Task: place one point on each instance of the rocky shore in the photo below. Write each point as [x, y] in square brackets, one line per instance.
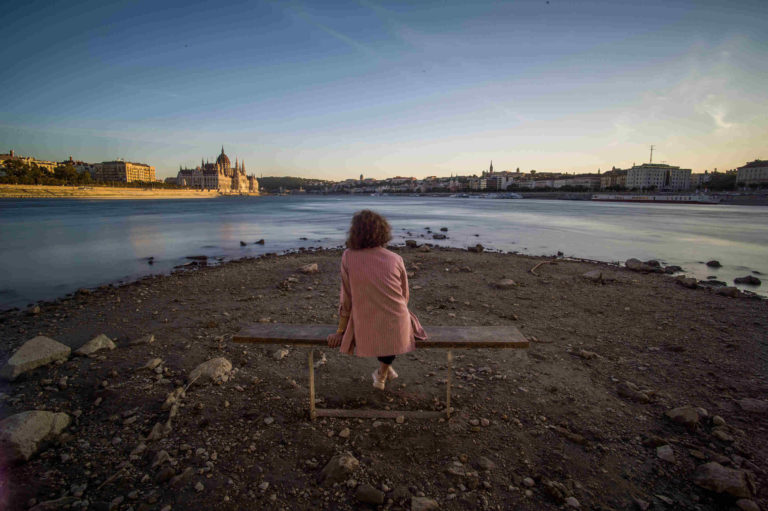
[639, 391]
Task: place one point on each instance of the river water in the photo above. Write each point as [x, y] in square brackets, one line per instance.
[49, 248]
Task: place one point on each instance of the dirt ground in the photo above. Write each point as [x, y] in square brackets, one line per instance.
[530, 429]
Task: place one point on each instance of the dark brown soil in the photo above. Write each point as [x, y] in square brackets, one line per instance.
[552, 414]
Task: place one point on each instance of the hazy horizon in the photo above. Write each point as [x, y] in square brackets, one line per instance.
[341, 89]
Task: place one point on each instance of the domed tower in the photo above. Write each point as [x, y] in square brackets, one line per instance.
[222, 162]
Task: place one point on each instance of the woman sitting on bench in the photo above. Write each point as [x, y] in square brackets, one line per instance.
[374, 320]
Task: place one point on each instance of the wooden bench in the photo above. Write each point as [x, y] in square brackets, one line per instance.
[445, 337]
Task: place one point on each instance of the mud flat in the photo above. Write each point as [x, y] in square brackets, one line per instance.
[98, 192]
[636, 393]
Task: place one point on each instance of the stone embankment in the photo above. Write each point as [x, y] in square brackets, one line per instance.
[638, 392]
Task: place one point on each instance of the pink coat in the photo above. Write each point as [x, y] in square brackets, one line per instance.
[374, 296]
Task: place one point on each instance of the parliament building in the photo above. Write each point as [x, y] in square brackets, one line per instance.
[221, 176]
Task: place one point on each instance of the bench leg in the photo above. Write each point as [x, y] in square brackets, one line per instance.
[449, 357]
[312, 411]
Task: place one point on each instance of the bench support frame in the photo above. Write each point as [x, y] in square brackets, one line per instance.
[315, 412]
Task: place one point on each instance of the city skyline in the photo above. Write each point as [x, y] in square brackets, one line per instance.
[388, 89]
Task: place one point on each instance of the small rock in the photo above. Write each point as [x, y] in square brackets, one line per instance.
[485, 463]
[214, 370]
[719, 479]
[688, 282]
[260, 242]
[280, 354]
[344, 433]
[637, 265]
[505, 284]
[339, 468]
[718, 421]
[665, 453]
[476, 249]
[145, 339]
[729, 291]
[527, 481]
[424, 504]
[748, 280]
[199, 487]
[749, 404]
[100, 342]
[309, 268]
[714, 264]
[747, 505]
[411, 243]
[242, 243]
[400, 419]
[367, 494]
[572, 502]
[152, 364]
[439, 236]
[424, 248]
[34, 353]
[688, 416]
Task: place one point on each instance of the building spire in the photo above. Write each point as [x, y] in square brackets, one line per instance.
[491, 169]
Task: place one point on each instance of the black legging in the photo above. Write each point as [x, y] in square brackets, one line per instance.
[387, 360]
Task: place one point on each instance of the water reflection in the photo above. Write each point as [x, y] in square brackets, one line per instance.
[56, 246]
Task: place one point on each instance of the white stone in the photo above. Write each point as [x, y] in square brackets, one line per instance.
[22, 435]
[309, 268]
[36, 352]
[423, 504]
[100, 342]
[214, 370]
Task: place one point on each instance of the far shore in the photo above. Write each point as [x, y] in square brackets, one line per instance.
[100, 192]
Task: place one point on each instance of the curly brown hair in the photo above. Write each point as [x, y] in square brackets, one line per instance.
[368, 230]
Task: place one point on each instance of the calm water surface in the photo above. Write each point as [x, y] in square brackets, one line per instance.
[52, 247]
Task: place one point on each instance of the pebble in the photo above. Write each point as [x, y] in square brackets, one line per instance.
[572, 502]
[400, 419]
[344, 433]
[199, 486]
[529, 482]
[269, 420]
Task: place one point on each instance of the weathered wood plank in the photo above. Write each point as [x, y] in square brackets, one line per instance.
[377, 414]
[494, 337]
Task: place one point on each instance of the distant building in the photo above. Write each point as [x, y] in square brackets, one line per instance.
[221, 176]
[700, 180]
[82, 166]
[587, 181]
[171, 181]
[614, 178]
[753, 173]
[124, 172]
[28, 160]
[658, 176]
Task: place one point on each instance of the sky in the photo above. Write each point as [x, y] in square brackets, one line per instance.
[333, 90]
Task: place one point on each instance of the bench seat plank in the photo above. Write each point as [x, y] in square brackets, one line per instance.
[494, 337]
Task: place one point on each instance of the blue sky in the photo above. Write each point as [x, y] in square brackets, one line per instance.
[336, 89]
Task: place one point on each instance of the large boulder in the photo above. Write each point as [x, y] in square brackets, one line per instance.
[339, 468]
[730, 291]
[215, 370]
[637, 265]
[749, 280]
[23, 434]
[100, 342]
[34, 353]
[719, 479]
[688, 282]
[714, 263]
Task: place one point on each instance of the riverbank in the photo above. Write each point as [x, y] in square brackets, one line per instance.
[582, 415]
[99, 192]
